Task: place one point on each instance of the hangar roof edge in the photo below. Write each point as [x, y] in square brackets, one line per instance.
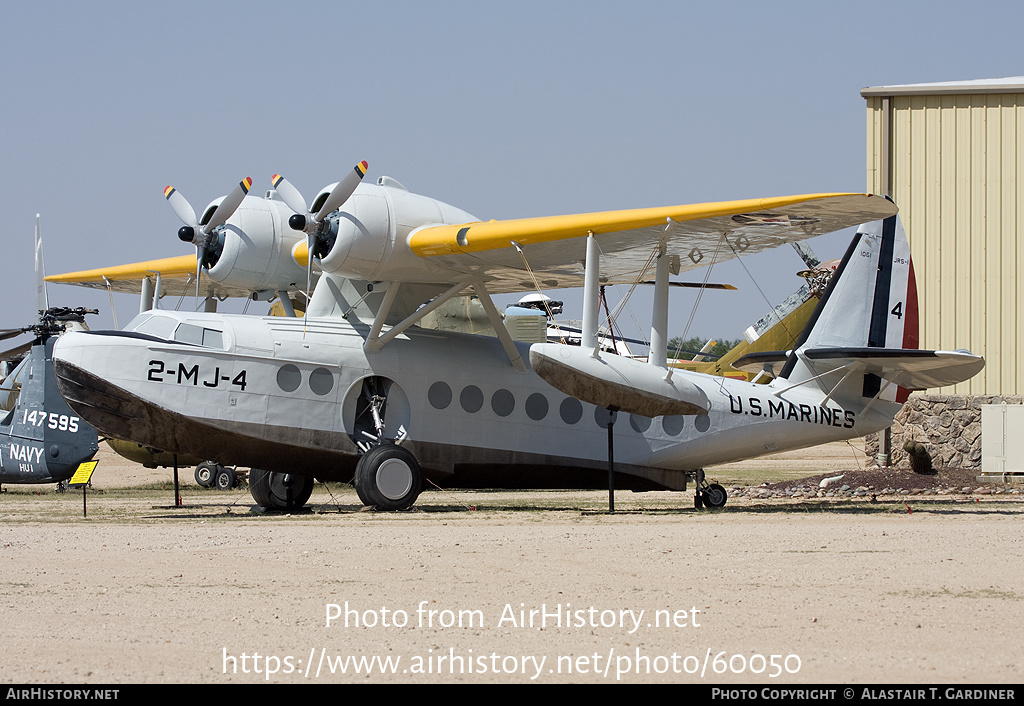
[1011, 84]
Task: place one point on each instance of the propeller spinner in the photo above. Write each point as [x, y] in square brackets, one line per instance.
[199, 233]
[314, 224]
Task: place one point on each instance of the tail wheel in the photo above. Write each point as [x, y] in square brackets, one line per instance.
[714, 495]
[279, 491]
[388, 478]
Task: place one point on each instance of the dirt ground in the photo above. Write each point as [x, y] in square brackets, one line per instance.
[486, 587]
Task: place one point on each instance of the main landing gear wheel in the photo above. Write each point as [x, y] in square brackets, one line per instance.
[388, 478]
[225, 478]
[279, 491]
[205, 473]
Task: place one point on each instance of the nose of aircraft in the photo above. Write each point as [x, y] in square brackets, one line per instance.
[85, 365]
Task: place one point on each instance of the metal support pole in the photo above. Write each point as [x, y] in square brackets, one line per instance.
[613, 412]
[659, 316]
[177, 494]
[591, 294]
[286, 303]
[146, 298]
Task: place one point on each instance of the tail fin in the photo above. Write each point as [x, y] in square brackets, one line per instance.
[866, 324]
[872, 299]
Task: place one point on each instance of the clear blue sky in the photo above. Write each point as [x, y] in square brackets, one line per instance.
[503, 109]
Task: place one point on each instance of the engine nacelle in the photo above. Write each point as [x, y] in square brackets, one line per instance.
[360, 236]
[367, 238]
[253, 249]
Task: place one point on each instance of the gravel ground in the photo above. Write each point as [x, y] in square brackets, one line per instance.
[822, 590]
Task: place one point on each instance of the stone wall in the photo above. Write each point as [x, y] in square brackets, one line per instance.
[949, 426]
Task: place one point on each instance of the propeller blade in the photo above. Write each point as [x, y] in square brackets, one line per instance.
[289, 194]
[15, 352]
[806, 254]
[309, 263]
[182, 208]
[200, 256]
[696, 285]
[229, 205]
[342, 191]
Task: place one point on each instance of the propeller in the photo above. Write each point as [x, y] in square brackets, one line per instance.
[199, 233]
[315, 225]
[16, 352]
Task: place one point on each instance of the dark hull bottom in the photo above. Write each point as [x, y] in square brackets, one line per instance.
[330, 456]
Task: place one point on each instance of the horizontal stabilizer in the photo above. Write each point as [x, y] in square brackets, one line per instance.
[755, 362]
[912, 369]
[613, 381]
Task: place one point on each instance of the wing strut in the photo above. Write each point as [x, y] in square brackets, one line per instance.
[658, 354]
[146, 296]
[591, 295]
[499, 327]
[374, 341]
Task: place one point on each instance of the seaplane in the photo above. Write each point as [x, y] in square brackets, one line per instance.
[357, 390]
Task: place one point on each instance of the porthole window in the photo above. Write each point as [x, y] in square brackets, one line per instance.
[702, 422]
[471, 399]
[439, 395]
[571, 410]
[602, 416]
[639, 422]
[536, 406]
[672, 424]
[321, 381]
[503, 402]
[289, 377]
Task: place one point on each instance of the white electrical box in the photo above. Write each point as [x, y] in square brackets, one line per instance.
[1002, 441]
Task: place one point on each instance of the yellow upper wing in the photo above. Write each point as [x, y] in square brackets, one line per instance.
[555, 247]
[177, 278]
[503, 253]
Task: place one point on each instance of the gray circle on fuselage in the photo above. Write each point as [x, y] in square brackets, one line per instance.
[639, 422]
[536, 406]
[702, 422]
[439, 395]
[321, 381]
[672, 424]
[289, 377]
[602, 415]
[503, 402]
[471, 398]
[571, 410]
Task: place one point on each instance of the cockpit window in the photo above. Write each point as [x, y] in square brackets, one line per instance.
[171, 330]
[200, 336]
[159, 326]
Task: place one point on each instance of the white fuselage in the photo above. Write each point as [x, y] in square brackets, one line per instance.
[283, 394]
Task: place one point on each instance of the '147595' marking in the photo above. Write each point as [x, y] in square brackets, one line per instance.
[160, 372]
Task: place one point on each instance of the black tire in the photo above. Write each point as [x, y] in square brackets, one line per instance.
[225, 478]
[714, 496]
[206, 472]
[279, 491]
[388, 478]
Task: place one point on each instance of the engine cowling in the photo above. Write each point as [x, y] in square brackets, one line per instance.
[367, 238]
[359, 238]
[252, 250]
